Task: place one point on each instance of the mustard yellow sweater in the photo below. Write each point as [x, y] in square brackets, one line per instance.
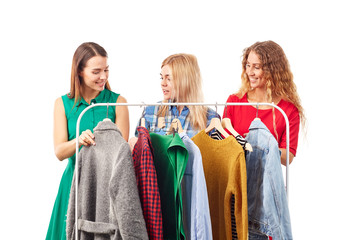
[225, 174]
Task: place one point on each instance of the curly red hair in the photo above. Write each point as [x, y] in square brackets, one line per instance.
[276, 67]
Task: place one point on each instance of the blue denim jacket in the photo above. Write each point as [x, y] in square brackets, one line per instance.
[267, 202]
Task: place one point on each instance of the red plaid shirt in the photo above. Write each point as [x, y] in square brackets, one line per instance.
[147, 184]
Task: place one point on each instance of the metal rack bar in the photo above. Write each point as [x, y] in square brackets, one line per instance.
[174, 104]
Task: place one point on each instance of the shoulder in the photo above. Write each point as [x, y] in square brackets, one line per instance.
[121, 99]
[236, 98]
[59, 107]
[64, 101]
[211, 114]
[290, 109]
[109, 95]
[151, 110]
[59, 104]
[59, 100]
[65, 98]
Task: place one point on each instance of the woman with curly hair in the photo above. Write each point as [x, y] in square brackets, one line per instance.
[266, 77]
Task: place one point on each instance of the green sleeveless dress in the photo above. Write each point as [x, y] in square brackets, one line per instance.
[89, 120]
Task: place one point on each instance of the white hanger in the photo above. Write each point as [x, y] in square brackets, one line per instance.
[176, 126]
[226, 123]
[142, 122]
[107, 119]
[257, 111]
[161, 122]
[215, 123]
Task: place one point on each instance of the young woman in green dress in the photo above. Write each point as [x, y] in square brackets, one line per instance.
[89, 84]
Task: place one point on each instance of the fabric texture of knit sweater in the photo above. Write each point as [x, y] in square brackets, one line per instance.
[225, 174]
[108, 199]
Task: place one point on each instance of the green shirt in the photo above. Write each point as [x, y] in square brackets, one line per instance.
[89, 120]
[92, 116]
[170, 159]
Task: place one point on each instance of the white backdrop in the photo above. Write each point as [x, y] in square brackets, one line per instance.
[320, 38]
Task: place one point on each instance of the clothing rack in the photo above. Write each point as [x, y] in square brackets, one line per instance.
[175, 104]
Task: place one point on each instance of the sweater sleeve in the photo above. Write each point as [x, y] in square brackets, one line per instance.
[125, 197]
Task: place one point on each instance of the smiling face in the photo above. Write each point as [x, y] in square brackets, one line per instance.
[254, 71]
[95, 73]
[166, 82]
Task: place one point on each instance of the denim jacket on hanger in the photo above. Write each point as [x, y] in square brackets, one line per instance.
[267, 202]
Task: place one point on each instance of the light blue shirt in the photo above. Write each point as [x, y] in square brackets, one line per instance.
[196, 211]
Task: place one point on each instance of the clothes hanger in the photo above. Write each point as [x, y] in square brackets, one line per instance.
[161, 122]
[142, 121]
[107, 119]
[257, 111]
[216, 123]
[226, 123]
[175, 126]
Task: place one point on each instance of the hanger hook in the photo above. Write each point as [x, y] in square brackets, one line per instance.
[177, 110]
[216, 105]
[225, 110]
[107, 110]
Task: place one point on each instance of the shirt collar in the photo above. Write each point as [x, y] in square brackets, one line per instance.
[106, 125]
[142, 130]
[98, 99]
[258, 124]
[174, 110]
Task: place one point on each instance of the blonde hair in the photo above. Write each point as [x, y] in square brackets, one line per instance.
[187, 87]
[279, 78]
[81, 56]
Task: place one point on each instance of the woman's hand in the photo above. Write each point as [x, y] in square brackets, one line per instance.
[132, 142]
[86, 138]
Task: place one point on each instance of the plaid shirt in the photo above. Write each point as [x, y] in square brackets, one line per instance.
[151, 120]
[146, 179]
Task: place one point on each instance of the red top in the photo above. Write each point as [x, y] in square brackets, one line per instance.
[242, 116]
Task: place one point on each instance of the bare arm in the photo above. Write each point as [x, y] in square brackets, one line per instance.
[283, 156]
[64, 148]
[122, 118]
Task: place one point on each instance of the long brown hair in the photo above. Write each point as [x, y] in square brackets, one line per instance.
[187, 86]
[82, 54]
[279, 78]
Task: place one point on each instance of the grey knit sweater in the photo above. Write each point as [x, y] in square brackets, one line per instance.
[108, 199]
